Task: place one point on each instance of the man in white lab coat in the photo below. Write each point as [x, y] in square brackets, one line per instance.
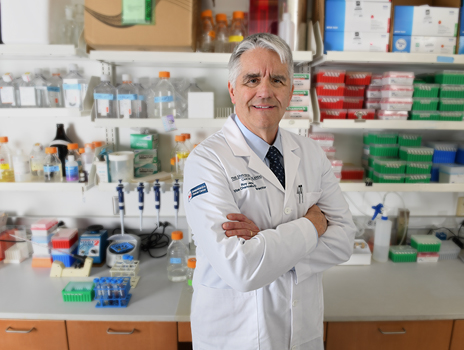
[251, 191]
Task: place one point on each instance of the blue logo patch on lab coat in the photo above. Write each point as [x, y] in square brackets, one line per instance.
[197, 190]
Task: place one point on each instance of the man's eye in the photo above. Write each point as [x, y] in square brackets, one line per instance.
[277, 81]
[253, 81]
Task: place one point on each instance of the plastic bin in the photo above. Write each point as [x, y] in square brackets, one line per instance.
[426, 90]
[372, 103]
[451, 91]
[396, 104]
[330, 89]
[383, 150]
[424, 115]
[361, 114]
[373, 91]
[376, 79]
[417, 178]
[451, 104]
[353, 102]
[451, 116]
[425, 243]
[336, 165]
[330, 102]
[324, 75]
[324, 139]
[460, 154]
[385, 166]
[392, 115]
[449, 77]
[354, 90]
[352, 173]
[358, 78]
[388, 178]
[398, 78]
[380, 137]
[410, 140]
[333, 114]
[425, 104]
[64, 238]
[418, 167]
[397, 91]
[451, 173]
[416, 154]
[402, 253]
[443, 152]
[448, 251]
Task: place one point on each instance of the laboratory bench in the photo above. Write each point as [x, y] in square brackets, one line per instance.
[381, 306]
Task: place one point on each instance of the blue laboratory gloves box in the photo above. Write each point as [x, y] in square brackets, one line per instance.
[356, 41]
[357, 16]
[424, 44]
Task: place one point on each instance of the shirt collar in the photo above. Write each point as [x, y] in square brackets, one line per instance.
[257, 144]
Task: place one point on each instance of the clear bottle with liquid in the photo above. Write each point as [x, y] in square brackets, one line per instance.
[6, 161]
[105, 97]
[72, 169]
[74, 88]
[73, 150]
[52, 166]
[22, 167]
[162, 98]
[55, 89]
[27, 92]
[177, 258]
[87, 158]
[142, 98]
[69, 26]
[128, 104]
[7, 91]
[191, 264]
[178, 157]
[187, 142]
[37, 161]
[41, 85]
[221, 43]
[237, 30]
[208, 34]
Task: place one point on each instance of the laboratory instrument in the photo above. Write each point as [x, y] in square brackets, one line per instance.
[156, 190]
[382, 234]
[52, 166]
[191, 264]
[177, 258]
[21, 167]
[126, 266]
[128, 104]
[6, 161]
[61, 142]
[93, 243]
[141, 189]
[176, 190]
[112, 292]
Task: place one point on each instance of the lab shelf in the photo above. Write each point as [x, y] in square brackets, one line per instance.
[391, 124]
[42, 112]
[44, 187]
[187, 123]
[418, 187]
[33, 52]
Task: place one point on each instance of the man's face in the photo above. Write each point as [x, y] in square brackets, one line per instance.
[262, 91]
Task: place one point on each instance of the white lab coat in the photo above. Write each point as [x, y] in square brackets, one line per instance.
[246, 294]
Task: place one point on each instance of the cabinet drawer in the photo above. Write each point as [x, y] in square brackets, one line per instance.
[408, 335]
[33, 335]
[90, 335]
[457, 340]
[184, 332]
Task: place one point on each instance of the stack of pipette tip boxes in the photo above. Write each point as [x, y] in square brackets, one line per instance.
[65, 239]
[427, 247]
[326, 141]
[42, 232]
[300, 104]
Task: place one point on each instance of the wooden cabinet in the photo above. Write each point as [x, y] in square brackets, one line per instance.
[407, 335]
[184, 332]
[457, 339]
[33, 335]
[98, 335]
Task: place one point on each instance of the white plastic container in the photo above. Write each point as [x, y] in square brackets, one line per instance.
[398, 78]
[373, 103]
[382, 237]
[337, 165]
[31, 21]
[373, 91]
[396, 104]
[376, 80]
[121, 166]
[102, 171]
[329, 152]
[21, 166]
[397, 91]
[392, 115]
[451, 173]
[323, 139]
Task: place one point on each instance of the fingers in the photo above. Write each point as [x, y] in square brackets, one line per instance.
[239, 217]
[238, 225]
[245, 234]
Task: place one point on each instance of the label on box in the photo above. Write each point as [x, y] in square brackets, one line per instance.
[301, 81]
[356, 41]
[89, 247]
[7, 95]
[423, 44]
[144, 141]
[137, 12]
[27, 96]
[146, 170]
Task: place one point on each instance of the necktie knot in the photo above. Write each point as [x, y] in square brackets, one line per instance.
[273, 155]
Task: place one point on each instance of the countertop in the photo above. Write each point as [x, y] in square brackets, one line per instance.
[381, 291]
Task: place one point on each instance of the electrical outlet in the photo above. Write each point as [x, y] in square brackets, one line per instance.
[115, 205]
[460, 207]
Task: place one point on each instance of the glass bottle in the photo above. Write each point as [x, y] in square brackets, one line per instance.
[74, 88]
[128, 98]
[162, 98]
[237, 30]
[142, 98]
[52, 166]
[61, 142]
[55, 89]
[6, 161]
[22, 167]
[191, 264]
[36, 160]
[207, 32]
[69, 26]
[105, 97]
[41, 85]
[187, 142]
[27, 92]
[178, 157]
[177, 258]
[221, 44]
[7, 91]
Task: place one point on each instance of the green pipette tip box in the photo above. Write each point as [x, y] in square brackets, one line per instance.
[78, 292]
[426, 244]
[402, 253]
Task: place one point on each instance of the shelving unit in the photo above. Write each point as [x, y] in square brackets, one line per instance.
[44, 187]
[390, 124]
[42, 112]
[39, 52]
[378, 187]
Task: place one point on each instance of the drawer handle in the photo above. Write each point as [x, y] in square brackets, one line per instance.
[11, 330]
[109, 331]
[387, 333]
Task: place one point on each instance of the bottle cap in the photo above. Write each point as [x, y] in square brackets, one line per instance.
[73, 146]
[72, 66]
[207, 13]
[89, 145]
[187, 136]
[98, 144]
[221, 17]
[50, 150]
[71, 158]
[3, 139]
[126, 77]
[81, 150]
[7, 78]
[96, 280]
[179, 138]
[173, 161]
[177, 235]
[104, 77]
[26, 77]
[164, 74]
[55, 71]
[192, 263]
[238, 14]
[37, 71]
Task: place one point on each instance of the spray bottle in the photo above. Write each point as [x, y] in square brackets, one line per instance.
[382, 235]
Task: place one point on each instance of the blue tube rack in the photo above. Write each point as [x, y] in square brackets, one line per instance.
[112, 292]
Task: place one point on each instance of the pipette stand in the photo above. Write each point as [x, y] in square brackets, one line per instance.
[58, 269]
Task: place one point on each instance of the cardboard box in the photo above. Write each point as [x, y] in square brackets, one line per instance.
[174, 28]
[145, 162]
[144, 141]
[356, 41]
[426, 21]
[357, 16]
[424, 44]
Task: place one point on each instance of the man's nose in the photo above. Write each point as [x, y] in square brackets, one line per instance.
[264, 89]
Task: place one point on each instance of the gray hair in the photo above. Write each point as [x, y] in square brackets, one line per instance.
[260, 40]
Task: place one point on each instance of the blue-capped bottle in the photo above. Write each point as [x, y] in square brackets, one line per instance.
[128, 103]
[177, 255]
[161, 101]
[105, 98]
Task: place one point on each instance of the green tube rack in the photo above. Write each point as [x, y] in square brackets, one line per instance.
[410, 140]
[402, 253]
[416, 154]
[417, 178]
[451, 91]
[390, 166]
[78, 292]
[454, 77]
[451, 104]
[388, 178]
[424, 115]
[425, 243]
[380, 137]
[384, 150]
[425, 104]
[451, 116]
[418, 168]
[426, 90]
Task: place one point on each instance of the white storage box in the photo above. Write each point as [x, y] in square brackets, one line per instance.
[397, 91]
[300, 98]
[398, 78]
[356, 41]
[392, 115]
[376, 80]
[324, 139]
[201, 105]
[32, 21]
[374, 91]
[451, 173]
[361, 254]
[396, 104]
[373, 103]
[302, 81]
[297, 113]
[424, 44]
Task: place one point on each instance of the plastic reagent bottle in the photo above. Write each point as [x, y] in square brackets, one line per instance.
[55, 89]
[382, 234]
[69, 26]
[52, 166]
[22, 168]
[207, 32]
[237, 30]
[27, 93]
[177, 258]
[41, 89]
[142, 99]
[128, 98]
[221, 44]
[7, 91]
[72, 170]
[187, 142]
[37, 160]
[61, 142]
[6, 161]
[88, 158]
[105, 96]
[162, 97]
[98, 146]
[75, 88]
[73, 150]
[191, 264]
[178, 157]
[287, 30]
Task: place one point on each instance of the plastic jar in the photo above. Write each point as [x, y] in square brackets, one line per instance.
[121, 166]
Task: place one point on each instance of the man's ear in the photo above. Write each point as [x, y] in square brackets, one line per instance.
[231, 92]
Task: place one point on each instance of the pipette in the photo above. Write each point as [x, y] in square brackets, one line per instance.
[176, 188]
[156, 189]
[120, 189]
[141, 189]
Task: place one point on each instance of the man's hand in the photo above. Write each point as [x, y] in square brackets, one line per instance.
[317, 217]
[241, 227]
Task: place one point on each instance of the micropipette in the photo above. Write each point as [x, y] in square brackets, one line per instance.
[120, 189]
[141, 188]
[156, 189]
[176, 188]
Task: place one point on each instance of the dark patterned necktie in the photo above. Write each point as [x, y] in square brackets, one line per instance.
[276, 167]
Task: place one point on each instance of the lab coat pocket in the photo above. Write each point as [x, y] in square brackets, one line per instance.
[306, 201]
[224, 316]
